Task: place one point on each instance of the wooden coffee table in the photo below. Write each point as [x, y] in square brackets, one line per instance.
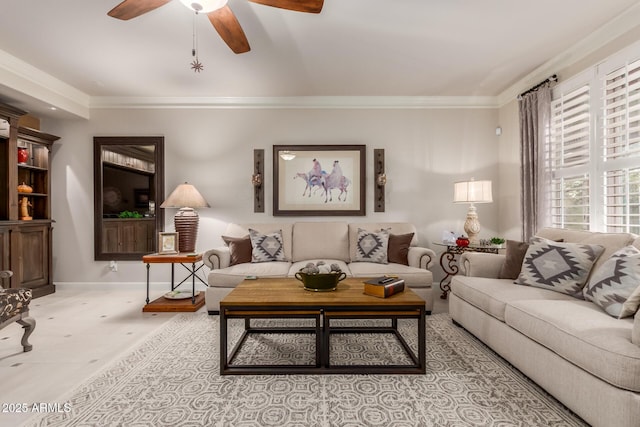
[286, 299]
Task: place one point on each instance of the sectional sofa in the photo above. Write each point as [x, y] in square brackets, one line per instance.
[574, 348]
[282, 249]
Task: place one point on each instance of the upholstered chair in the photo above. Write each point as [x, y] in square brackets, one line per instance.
[14, 307]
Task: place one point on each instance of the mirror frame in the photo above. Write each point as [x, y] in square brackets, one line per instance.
[104, 141]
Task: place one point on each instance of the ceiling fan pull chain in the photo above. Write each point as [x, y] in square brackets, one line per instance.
[196, 65]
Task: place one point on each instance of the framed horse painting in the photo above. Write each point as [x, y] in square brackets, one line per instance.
[319, 180]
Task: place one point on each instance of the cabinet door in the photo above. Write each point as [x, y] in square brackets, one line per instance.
[33, 246]
[111, 237]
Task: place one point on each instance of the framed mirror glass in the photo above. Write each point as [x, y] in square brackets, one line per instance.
[128, 190]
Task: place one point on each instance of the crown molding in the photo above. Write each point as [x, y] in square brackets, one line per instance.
[298, 102]
[27, 80]
[622, 24]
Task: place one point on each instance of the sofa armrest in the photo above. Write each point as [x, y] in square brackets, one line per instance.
[635, 334]
[479, 264]
[421, 257]
[217, 258]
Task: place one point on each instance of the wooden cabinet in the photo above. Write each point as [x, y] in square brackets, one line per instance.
[25, 216]
[133, 235]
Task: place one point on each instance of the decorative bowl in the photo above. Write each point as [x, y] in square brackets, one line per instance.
[321, 282]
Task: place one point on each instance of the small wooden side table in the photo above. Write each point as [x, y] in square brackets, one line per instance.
[188, 260]
[449, 264]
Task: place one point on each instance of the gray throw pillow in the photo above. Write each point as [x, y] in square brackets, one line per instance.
[614, 283]
[560, 267]
[266, 247]
[372, 246]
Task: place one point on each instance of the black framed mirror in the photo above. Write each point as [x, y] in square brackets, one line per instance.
[128, 190]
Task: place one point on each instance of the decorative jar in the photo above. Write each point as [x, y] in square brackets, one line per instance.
[462, 241]
[23, 155]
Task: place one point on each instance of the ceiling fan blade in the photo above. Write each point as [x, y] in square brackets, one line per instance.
[132, 8]
[226, 24]
[309, 6]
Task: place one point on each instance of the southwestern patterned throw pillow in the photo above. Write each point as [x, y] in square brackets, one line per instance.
[266, 247]
[560, 267]
[372, 247]
[613, 284]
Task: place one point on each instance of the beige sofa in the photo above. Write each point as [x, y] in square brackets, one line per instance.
[332, 242]
[587, 359]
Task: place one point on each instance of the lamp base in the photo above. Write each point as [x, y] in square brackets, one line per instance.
[186, 224]
[472, 225]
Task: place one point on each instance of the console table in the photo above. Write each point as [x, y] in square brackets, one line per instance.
[449, 264]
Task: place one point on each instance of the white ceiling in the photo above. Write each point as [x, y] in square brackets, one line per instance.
[408, 48]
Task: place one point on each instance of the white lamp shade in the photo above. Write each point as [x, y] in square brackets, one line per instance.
[472, 192]
[185, 196]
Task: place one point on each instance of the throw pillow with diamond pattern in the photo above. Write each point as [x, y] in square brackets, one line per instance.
[266, 247]
[372, 246]
[560, 267]
[613, 284]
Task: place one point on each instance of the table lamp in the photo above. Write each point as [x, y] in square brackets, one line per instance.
[186, 198]
[472, 192]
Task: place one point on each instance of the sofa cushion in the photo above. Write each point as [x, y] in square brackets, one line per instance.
[514, 256]
[232, 276]
[266, 247]
[614, 282]
[413, 276]
[561, 267]
[492, 295]
[582, 334]
[239, 249]
[372, 246]
[391, 227]
[320, 240]
[398, 250]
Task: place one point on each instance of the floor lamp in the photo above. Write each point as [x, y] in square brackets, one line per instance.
[472, 192]
[186, 198]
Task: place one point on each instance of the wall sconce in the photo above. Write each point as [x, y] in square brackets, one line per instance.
[381, 179]
[257, 180]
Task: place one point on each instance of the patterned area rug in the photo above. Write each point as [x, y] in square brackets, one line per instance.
[172, 379]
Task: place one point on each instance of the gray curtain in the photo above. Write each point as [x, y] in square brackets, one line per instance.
[535, 110]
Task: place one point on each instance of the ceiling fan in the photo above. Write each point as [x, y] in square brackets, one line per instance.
[219, 13]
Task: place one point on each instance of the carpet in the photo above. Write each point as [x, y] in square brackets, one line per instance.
[172, 379]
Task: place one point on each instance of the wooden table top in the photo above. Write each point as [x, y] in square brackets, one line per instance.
[172, 258]
[289, 292]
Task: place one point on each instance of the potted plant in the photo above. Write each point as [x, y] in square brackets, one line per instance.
[497, 242]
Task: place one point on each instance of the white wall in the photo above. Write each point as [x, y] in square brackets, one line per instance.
[426, 151]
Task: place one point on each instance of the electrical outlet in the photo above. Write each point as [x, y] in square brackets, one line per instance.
[113, 265]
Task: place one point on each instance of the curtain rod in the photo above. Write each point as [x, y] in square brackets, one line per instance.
[553, 78]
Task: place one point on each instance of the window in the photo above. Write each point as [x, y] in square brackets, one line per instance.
[593, 148]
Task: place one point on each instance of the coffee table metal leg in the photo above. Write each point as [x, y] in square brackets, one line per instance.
[223, 341]
[148, 267]
[422, 345]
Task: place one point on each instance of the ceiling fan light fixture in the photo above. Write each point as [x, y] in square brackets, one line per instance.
[204, 6]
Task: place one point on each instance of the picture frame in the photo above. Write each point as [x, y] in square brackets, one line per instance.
[167, 243]
[319, 180]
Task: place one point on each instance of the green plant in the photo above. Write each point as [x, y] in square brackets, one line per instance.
[497, 240]
[129, 214]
